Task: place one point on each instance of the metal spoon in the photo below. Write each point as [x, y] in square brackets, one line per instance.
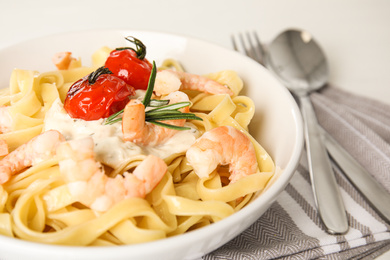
[297, 60]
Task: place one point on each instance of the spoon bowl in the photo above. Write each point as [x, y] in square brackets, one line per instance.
[298, 61]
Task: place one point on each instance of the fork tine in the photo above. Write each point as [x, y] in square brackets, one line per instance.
[247, 51]
[237, 43]
[234, 43]
[252, 51]
[250, 45]
[259, 47]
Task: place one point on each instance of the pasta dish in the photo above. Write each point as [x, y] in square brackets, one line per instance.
[123, 151]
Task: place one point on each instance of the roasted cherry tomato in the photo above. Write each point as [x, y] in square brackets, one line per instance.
[98, 95]
[130, 64]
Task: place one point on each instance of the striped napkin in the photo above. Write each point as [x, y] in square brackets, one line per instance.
[291, 228]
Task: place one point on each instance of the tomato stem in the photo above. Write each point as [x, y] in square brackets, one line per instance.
[140, 48]
[95, 75]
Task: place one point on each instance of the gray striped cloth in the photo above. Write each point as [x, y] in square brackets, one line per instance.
[291, 228]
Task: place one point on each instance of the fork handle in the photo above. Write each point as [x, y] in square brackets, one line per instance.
[374, 192]
[326, 192]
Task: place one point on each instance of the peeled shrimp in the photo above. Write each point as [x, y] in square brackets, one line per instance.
[38, 149]
[3, 147]
[136, 130]
[62, 60]
[89, 185]
[5, 120]
[224, 145]
[168, 81]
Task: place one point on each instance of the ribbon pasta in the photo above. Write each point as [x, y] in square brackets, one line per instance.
[35, 204]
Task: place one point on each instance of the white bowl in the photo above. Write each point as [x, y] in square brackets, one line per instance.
[276, 125]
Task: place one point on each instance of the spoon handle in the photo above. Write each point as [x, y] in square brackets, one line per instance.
[326, 192]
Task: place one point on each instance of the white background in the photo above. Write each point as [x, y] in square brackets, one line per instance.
[355, 34]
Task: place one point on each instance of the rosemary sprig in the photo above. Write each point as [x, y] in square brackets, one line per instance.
[175, 106]
[175, 127]
[158, 103]
[161, 111]
[149, 90]
[172, 117]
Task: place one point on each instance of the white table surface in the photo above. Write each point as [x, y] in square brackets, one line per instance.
[355, 34]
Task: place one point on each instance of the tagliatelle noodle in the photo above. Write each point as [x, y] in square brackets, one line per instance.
[36, 204]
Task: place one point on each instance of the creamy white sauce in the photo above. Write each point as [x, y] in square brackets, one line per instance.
[110, 148]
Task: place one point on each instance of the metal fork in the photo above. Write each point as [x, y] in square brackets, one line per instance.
[250, 44]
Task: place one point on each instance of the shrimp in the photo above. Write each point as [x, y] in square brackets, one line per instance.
[136, 130]
[89, 185]
[168, 81]
[38, 149]
[223, 145]
[62, 60]
[3, 147]
[5, 120]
